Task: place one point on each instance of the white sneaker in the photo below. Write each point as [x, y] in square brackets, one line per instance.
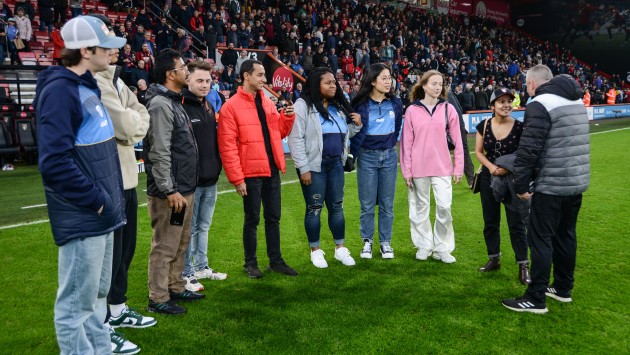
[444, 257]
[366, 252]
[208, 273]
[423, 254]
[120, 345]
[343, 254]
[317, 257]
[192, 284]
[387, 252]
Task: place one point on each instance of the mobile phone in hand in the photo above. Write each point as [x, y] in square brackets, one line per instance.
[177, 218]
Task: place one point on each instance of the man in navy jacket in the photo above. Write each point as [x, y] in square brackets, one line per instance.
[81, 173]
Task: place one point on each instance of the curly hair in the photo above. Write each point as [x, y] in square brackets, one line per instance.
[313, 98]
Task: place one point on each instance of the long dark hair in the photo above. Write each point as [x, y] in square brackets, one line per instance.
[369, 76]
[313, 98]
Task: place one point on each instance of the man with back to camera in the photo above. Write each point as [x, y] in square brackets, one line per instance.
[553, 157]
[204, 125]
[170, 160]
[81, 173]
[250, 142]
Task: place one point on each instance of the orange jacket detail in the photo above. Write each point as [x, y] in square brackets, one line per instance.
[611, 95]
[587, 99]
[241, 141]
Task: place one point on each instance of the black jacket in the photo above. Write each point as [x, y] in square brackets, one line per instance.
[204, 124]
[169, 148]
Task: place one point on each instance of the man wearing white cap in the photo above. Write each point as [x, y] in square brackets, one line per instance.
[81, 173]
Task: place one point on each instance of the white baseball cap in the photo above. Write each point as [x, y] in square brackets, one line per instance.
[88, 31]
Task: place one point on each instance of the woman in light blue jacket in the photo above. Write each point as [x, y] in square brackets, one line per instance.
[323, 124]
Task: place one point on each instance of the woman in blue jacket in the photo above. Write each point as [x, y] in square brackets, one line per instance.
[322, 126]
[377, 161]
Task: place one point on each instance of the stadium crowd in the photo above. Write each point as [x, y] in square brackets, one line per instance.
[383, 63]
[475, 54]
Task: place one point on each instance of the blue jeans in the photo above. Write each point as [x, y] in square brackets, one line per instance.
[43, 25]
[376, 179]
[326, 186]
[85, 272]
[76, 11]
[197, 253]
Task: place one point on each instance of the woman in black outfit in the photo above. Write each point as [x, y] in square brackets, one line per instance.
[499, 136]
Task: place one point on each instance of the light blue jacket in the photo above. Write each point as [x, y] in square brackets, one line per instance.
[306, 141]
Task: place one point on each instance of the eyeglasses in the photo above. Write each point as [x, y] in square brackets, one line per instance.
[182, 68]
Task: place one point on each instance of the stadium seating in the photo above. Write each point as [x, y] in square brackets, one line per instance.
[26, 138]
[7, 148]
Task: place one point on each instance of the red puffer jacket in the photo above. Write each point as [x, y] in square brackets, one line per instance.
[241, 141]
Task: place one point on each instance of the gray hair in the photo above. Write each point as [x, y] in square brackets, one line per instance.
[539, 74]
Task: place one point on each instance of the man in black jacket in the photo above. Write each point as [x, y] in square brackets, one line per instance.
[170, 160]
[204, 124]
[552, 167]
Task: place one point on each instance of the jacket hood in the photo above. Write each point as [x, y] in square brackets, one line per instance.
[191, 98]
[161, 90]
[54, 73]
[563, 86]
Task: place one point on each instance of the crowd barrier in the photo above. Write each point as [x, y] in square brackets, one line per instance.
[471, 120]
[598, 112]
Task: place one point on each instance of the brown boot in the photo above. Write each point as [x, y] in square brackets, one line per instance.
[523, 274]
[492, 265]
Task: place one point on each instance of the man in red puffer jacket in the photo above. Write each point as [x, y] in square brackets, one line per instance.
[250, 142]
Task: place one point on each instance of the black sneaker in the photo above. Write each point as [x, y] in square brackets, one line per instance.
[283, 268]
[564, 297]
[524, 304]
[253, 272]
[168, 307]
[186, 296]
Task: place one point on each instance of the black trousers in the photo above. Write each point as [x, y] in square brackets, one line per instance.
[552, 240]
[124, 249]
[492, 223]
[267, 191]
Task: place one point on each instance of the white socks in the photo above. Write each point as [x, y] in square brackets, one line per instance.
[117, 309]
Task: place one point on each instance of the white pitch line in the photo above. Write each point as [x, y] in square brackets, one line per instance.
[24, 224]
[612, 130]
[218, 193]
[34, 206]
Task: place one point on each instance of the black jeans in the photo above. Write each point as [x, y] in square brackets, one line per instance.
[124, 249]
[267, 191]
[492, 222]
[552, 240]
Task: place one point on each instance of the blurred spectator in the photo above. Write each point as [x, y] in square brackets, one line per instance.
[5, 11]
[142, 90]
[138, 39]
[163, 34]
[140, 72]
[25, 31]
[61, 7]
[55, 37]
[229, 56]
[143, 19]
[240, 60]
[228, 77]
[146, 57]
[29, 11]
[76, 8]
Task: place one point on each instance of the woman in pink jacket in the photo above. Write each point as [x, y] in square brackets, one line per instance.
[426, 162]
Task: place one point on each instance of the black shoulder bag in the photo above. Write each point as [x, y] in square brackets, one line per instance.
[449, 139]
